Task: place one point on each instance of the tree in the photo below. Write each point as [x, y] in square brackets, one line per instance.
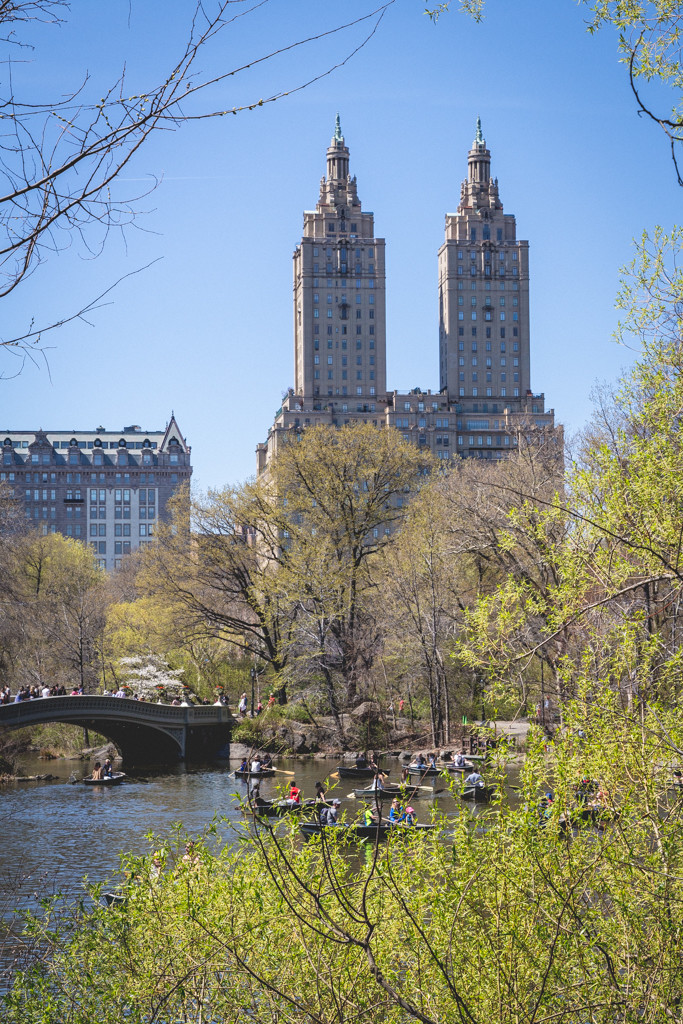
[345, 493]
[216, 563]
[283, 567]
[54, 612]
[615, 570]
[421, 587]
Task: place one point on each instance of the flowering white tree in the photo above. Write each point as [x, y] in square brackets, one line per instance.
[150, 676]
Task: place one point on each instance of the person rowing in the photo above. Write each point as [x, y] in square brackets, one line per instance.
[459, 760]
[267, 762]
[256, 765]
[432, 761]
[320, 795]
[420, 761]
[244, 766]
[377, 782]
[474, 779]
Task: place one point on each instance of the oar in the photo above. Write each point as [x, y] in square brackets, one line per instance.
[281, 771]
[334, 775]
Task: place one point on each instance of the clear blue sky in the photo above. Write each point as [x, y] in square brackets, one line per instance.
[207, 330]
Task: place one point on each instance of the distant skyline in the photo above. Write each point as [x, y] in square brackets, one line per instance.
[580, 171]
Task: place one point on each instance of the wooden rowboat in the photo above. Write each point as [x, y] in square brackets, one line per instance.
[389, 792]
[110, 780]
[425, 772]
[362, 832]
[479, 794]
[265, 773]
[278, 808]
[356, 773]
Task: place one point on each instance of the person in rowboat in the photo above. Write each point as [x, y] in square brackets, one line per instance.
[255, 793]
[330, 815]
[370, 817]
[420, 761]
[408, 817]
[320, 796]
[432, 761]
[107, 768]
[255, 765]
[395, 810]
[244, 766]
[97, 771]
[474, 779]
[294, 795]
[267, 762]
[459, 760]
[377, 782]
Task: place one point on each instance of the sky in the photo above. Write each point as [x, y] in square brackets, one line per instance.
[199, 318]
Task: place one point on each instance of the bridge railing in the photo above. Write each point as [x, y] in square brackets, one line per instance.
[88, 706]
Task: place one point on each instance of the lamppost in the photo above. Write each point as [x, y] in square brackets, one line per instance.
[252, 673]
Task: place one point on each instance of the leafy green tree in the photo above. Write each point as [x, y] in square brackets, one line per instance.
[344, 494]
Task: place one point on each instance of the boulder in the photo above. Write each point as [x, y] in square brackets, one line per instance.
[369, 710]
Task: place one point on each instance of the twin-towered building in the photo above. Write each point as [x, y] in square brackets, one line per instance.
[484, 402]
[109, 489]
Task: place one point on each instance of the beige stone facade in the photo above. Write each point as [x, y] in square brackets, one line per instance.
[485, 404]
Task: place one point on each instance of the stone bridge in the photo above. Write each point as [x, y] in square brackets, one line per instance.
[143, 733]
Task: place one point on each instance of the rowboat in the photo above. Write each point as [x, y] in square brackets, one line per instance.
[389, 792]
[358, 831]
[265, 773]
[277, 808]
[479, 794]
[356, 773]
[109, 780]
[424, 771]
[114, 899]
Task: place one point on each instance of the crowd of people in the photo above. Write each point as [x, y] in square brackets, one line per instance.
[37, 693]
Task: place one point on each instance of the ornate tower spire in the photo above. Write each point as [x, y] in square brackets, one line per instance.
[478, 136]
[338, 188]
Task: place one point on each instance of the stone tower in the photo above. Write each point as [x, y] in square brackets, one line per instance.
[339, 294]
[483, 294]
